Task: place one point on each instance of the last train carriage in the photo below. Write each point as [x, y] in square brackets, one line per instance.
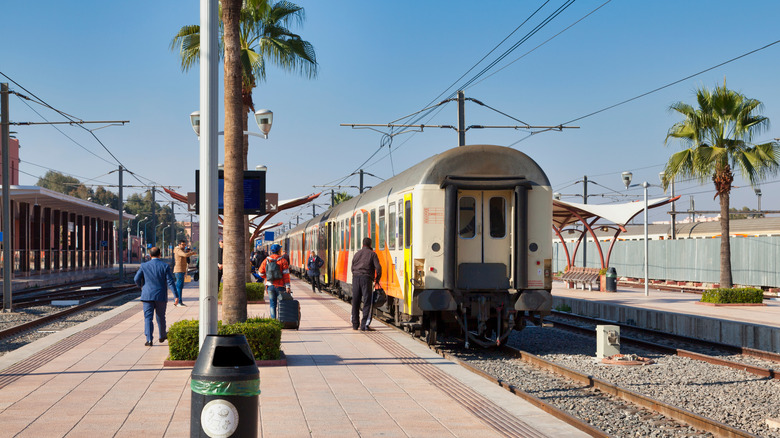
[464, 239]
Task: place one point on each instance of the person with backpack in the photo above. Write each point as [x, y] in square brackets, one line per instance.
[313, 265]
[276, 272]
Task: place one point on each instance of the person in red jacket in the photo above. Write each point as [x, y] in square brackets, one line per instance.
[276, 272]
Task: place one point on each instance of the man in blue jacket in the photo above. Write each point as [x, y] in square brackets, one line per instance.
[152, 277]
[313, 265]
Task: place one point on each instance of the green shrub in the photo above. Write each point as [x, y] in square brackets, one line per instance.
[254, 292]
[563, 308]
[734, 295]
[264, 336]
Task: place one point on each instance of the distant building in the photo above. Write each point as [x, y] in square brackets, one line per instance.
[13, 162]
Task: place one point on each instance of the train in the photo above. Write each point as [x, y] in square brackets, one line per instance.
[464, 239]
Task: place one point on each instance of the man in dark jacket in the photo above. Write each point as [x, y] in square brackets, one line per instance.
[313, 265]
[152, 277]
[365, 270]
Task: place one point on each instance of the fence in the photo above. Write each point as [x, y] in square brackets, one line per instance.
[755, 261]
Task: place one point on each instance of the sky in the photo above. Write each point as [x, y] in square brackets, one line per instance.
[380, 61]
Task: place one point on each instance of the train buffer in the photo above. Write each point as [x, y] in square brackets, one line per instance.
[578, 276]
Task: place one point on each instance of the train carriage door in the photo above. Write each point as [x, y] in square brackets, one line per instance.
[484, 239]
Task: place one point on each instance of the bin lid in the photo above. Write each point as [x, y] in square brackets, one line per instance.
[611, 272]
[225, 358]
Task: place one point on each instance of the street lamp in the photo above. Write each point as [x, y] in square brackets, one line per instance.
[263, 117]
[128, 243]
[163, 238]
[626, 177]
[208, 177]
[138, 225]
[758, 195]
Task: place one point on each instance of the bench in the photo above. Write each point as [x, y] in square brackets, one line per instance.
[576, 276]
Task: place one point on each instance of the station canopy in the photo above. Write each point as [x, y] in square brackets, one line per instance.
[568, 213]
[35, 195]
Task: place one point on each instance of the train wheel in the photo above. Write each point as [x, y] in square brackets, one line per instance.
[433, 328]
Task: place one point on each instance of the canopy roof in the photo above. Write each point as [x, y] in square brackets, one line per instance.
[566, 213]
[59, 201]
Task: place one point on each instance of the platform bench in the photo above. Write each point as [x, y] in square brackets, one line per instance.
[577, 276]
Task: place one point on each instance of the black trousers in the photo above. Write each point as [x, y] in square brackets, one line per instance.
[315, 282]
[361, 297]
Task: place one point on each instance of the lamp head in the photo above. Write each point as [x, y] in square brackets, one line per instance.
[265, 119]
[261, 168]
[195, 122]
[758, 190]
[557, 196]
[627, 176]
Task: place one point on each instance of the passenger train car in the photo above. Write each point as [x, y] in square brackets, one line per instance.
[464, 240]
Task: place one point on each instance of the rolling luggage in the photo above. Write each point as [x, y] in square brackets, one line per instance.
[288, 311]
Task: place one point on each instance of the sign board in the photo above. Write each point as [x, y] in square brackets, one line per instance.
[271, 202]
[148, 246]
[104, 243]
[192, 201]
[268, 236]
[1, 236]
[254, 192]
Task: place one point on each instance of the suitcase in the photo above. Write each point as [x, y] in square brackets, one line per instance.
[288, 312]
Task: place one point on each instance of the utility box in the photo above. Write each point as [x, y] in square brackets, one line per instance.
[607, 341]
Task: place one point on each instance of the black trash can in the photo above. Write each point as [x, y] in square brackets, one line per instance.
[611, 280]
[225, 389]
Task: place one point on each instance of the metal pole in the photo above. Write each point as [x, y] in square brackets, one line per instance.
[332, 198]
[585, 231]
[361, 180]
[209, 75]
[154, 216]
[647, 291]
[129, 246]
[120, 244]
[313, 210]
[173, 227]
[461, 119]
[674, 216]
[7, 234]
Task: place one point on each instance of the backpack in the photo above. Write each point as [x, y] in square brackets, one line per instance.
[272, 269]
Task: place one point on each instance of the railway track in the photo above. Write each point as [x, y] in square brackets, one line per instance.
[107, 294]
[669, 344]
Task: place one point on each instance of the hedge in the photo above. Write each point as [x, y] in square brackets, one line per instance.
[254, 292]
[264, 336]
[734, 295]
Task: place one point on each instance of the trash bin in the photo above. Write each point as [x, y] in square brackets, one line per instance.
[611, 280]
[225, 389]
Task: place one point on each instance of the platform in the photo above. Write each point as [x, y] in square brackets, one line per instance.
[98, 379]
[677, 312]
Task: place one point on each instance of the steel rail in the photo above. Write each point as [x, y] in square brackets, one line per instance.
[760, 354]
[4, 334]
[694, 420]
[752, 369]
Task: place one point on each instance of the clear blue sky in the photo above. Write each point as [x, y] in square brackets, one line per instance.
[380, 61]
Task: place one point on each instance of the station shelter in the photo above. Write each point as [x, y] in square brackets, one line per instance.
[53, 232]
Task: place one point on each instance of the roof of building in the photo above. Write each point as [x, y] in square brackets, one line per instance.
[59, 201]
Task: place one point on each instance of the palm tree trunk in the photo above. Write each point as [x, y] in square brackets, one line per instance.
[234, 256]
[725, 242]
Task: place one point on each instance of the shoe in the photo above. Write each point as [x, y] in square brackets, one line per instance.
[175, 302]
[366, 329]
[354, 327]
[148, 344]
[163, 339]
[182, 304]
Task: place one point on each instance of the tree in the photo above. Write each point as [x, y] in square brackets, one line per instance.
[340, 197]
[719, 135]
[259, 28]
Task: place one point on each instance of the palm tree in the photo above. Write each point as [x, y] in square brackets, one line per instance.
[340, 197]
[264, 36]
[720, 135]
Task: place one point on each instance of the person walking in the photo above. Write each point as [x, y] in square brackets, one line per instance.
[313, 265]
[276, 272]
[365, 270]
[181, 257]
[154, 277]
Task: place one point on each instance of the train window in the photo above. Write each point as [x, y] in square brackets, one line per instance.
[467, 217]
[497, 217]
[359, 229]
[391, 226]
[373, 228]
[382, 228]
[365, 227]
[352, 234]
[400, 224]
[408, 229]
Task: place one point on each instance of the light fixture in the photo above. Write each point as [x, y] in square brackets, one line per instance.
[557, 196]
[265, 119]
[261, 168]
[195, 122]
[627, 176]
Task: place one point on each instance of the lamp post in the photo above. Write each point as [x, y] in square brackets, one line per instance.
[129, 246]
[209, 233]
[138, 225]
[163, 239]
[626, 177]
[141, 247]
[758, 195]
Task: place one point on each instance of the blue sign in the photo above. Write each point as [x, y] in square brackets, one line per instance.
[148, 246]
[268, 236]
[104, 243]
[1, 236]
